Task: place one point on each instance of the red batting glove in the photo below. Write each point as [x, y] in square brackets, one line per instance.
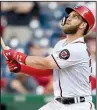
[13, 66]
[12, 54]
[8, 54]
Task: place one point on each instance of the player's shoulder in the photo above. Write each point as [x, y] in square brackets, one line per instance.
[61, 41]
[80, 46]
[77, 49]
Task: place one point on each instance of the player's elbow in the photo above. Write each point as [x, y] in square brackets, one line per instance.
[49, 63]
[45, 64]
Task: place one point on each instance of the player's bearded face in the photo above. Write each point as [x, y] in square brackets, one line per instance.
[69, 27]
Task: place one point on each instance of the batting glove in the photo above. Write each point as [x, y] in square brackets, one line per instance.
[11, 54]
[13, 66]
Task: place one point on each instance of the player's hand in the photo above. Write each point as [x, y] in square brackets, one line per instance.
[11, 54]
[6, 48]
[8, 54]
[13, 65]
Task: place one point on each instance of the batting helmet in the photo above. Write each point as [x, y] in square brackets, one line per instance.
[85, 13]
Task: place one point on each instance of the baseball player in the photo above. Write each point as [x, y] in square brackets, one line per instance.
[69, 62]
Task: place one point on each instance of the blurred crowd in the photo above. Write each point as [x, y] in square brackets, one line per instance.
[34, 28]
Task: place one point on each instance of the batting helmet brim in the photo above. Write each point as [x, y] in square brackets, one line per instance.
[69, 10]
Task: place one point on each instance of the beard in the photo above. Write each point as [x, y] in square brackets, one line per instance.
[70, 29]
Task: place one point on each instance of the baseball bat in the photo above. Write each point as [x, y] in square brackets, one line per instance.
[4, 47]
[3, 44]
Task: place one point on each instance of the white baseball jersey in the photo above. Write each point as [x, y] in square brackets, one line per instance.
[71, 78]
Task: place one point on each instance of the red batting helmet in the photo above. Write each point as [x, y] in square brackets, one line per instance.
[85, 13]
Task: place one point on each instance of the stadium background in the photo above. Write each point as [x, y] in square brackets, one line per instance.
[34, 28]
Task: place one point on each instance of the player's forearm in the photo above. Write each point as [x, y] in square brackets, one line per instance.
[37, 62]
[33, 61]
[35, 72]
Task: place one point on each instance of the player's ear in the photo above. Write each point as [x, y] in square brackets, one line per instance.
[83, 25]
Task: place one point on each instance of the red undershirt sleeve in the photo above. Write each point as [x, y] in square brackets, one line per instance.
[35, 72]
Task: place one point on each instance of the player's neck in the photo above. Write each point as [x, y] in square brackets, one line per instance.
[72, 37]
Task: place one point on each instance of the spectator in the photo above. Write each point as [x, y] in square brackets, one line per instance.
[18, 16]
[21, 84]
[49, 87]
[45, 83]
[91, 43]
[1, 30]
